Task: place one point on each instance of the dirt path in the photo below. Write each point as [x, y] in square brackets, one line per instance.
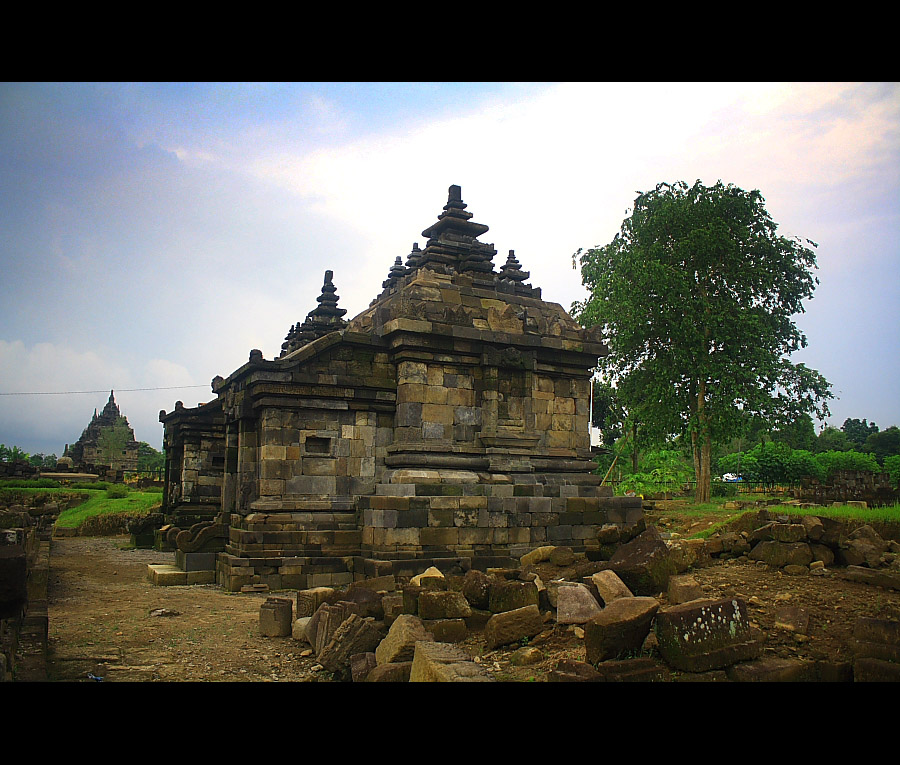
[101, 607]
[102, 622]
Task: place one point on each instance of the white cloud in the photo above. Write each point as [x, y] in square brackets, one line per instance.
[63, 411]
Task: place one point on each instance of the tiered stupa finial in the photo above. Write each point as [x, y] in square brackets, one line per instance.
[322, 320]
[111, 407]
[414, 257]
[512, 270]
[452, 241]
[395, 274]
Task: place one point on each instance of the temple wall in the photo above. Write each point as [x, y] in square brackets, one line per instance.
[319, 454]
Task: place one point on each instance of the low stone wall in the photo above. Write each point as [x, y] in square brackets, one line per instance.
[874, 489]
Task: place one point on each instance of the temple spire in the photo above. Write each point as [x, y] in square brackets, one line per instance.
[322, 320]
[395, 274]
[512, 270]
[414, 258]
[452, 242]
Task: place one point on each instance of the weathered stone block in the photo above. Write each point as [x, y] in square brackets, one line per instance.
[435, 604]
[868, 670]
[399, 644]
[511, 595]
[609, 587]
[706, 634]
[683, 588]
[619, 628]
[538, 555]
[511, 626]
[575, 605]
[643, 564]
[448, 630]
[780, 554]
[444, 663]
[395, 672]
[354, 635]
[276, 617]
[772, 670]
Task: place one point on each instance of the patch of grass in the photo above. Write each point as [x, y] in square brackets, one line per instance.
[15, 496]
[135, 503]
[887, 514]
[29, 483]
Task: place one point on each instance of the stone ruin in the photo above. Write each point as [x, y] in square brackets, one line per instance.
[446, 425]
[875, 489]
[106, 445]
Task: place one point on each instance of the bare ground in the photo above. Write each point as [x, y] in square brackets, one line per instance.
[108, 621]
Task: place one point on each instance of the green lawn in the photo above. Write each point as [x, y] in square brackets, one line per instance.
[136, 503]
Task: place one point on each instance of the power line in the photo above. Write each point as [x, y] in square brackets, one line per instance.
[121, 390]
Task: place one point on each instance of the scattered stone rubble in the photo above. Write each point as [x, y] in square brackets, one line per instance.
[643, 618]
[25, 529]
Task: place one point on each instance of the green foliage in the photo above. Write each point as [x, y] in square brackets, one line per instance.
[832, 439]
[884, 444]
[12, 454]
[858, 431]
[695, 295]
[663, 470]
[43, 460]
[606, 412]
[799, 434]
[852, 460]
[892, 468]
[149, 458]
[774, 463]
[724, 489]
[116, 492]
[111, 441]
[29, 483]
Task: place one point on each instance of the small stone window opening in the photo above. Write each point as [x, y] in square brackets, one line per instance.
[316, 445]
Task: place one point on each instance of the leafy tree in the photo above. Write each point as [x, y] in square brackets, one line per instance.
[892, 468]
[832, 439]
[43, 460]
[111, 441]
[149, 458]
[851, 460]
[695, 295]
[606, 413]
[660, 470]
[883, 444]
[800, 434]
[858, 431]
[12, 454]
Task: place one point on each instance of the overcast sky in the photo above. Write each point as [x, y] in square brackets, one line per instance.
[151, 235]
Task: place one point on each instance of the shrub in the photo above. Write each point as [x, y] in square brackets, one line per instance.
[33, 483]
[724, 489]
[834, 461]
[116, 492]
[892, 468]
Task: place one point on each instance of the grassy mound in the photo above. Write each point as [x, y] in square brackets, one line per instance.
[109, 514]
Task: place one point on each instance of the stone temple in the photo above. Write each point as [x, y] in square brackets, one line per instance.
[108, 440]
[447, 425]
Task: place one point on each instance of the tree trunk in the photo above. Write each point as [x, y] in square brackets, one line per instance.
[704, 485]
[702, 466]
[634, 449]
[695, 454]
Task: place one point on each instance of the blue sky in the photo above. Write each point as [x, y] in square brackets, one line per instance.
[152, 234]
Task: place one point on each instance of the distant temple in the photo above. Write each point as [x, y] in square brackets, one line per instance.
[445, 425]
[107, 441]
